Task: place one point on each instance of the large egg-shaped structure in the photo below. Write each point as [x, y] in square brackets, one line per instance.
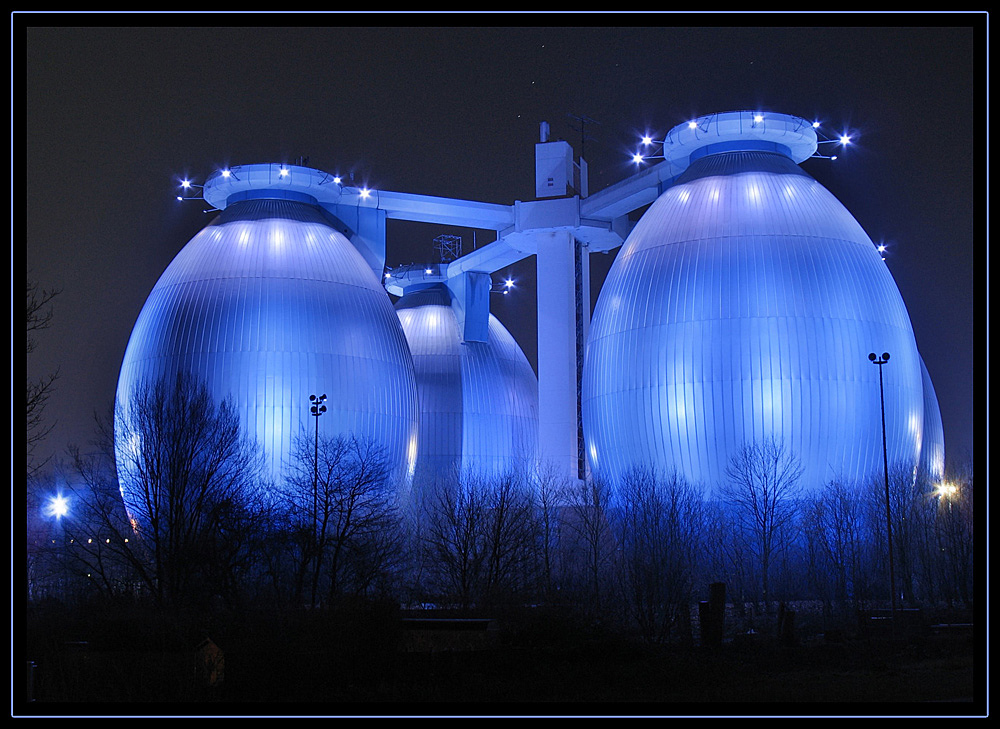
[743, 306]
[478, 400]
[269, 304]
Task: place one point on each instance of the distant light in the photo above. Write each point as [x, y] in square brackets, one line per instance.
[845, 140]
[946, 490]
[881, 247]
[647, 140]
[365, 192]
[58, 506]
[428, 271]
[226, 173]
[179, 197]
[692, 125]
[758, 118]
[337, 179]
[815, 125]
[637, 158]
[283, 172]
[509, 283]
[388, 275]
[185, 183]
[833, 157]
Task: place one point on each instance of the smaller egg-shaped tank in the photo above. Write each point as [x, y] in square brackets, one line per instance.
[478, 401]
[268, 305]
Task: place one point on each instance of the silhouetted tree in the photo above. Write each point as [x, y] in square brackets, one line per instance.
[587, 528]
[39, 389]
[835, 528]
[455, 539]
[659, 530]
[340, 505]
[549, 498]
[191, 485]
[762, 487]
[509, 536]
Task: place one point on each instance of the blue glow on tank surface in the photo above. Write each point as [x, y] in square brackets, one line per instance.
[743, 306]
[478, 400]
[270, 304]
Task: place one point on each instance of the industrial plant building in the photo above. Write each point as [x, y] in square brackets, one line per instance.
[743, 304]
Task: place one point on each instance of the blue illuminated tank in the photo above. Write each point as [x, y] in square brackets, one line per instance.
[478, 400]
[743, 306]
[271, 303]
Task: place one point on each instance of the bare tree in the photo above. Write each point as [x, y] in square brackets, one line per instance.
[762, 487]
[728, 559]
[658, 530]
[587, 527]
[835, 527]
[39, 389]
[509, 536]
[340, 504]
[902, 519]
[954, 531]
[549, 497]
[454, 538]
[189, 476]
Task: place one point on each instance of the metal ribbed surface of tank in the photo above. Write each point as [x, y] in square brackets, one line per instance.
[270, 304]
[932, 445]
[743, 306]
[478, 400]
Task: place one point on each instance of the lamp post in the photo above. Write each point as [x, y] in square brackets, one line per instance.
[58, 507]
[317, 409]
[875, 359]
[947, 492]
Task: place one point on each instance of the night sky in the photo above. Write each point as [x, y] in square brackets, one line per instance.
[117, 109]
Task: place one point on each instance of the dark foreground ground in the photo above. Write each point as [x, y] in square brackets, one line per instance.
[370, 662]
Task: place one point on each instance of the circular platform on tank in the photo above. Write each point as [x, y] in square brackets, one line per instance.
[735, 131]
[411, 277]
[289, 182]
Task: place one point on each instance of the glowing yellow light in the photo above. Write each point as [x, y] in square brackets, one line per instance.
[946, 490]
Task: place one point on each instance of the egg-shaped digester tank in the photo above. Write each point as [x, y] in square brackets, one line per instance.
[478, 401]
[269, 304]
[742, 307]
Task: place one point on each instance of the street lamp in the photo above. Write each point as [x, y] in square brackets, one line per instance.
[317, 409]
[947, 493]
[58, 506]
[875, 359]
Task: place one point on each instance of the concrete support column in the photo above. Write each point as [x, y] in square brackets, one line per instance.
[561, 330]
